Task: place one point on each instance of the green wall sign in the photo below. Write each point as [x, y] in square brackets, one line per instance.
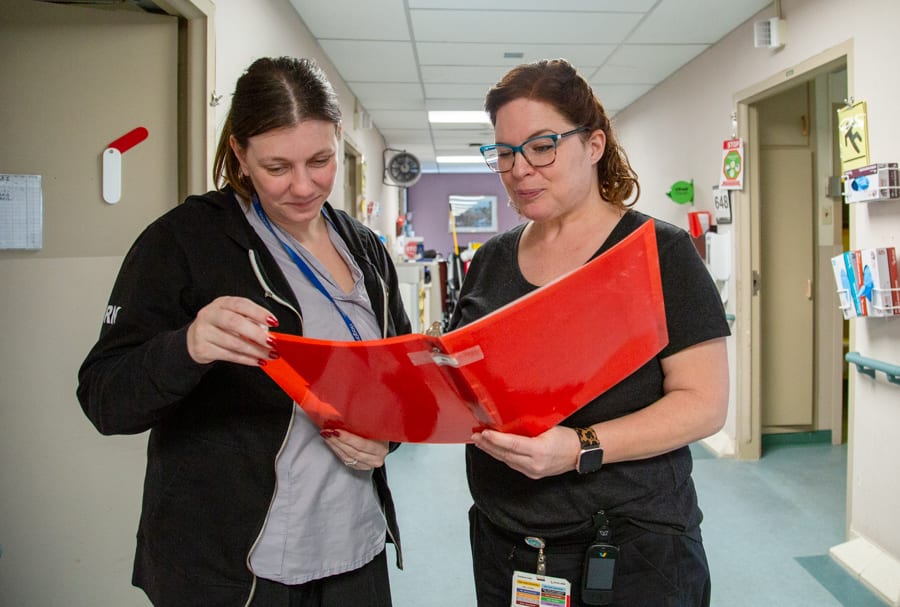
[682, 192]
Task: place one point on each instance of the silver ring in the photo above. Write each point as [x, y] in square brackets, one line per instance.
[351, 462]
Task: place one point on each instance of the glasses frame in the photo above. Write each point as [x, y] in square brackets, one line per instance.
[554, 137]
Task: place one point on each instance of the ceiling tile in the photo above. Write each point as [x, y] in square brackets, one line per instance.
[398, 119]
[618, 96]
[457, 91]
[491, 54]
[410, 136]
[388, 95]
[465, 135]
[698, 21]
[539, 5]
[475, 103]
[343, 19]
[462, 74]
[372, 61]
[645, 63]
[456, 50]
[520, 26]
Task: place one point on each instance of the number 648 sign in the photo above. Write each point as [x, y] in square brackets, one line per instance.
[722, 202]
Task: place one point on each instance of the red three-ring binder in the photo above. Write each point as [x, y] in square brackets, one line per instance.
[521, 369]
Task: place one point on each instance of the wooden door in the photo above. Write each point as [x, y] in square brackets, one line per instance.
[786, 294]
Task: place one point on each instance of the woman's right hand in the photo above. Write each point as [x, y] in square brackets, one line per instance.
[232, 329]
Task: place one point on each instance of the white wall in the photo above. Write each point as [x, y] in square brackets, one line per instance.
[272, 28]
[675, 132]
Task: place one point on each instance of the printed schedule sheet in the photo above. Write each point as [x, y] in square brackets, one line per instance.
[21, 212]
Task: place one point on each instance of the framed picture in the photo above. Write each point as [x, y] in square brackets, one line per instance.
[473, 213]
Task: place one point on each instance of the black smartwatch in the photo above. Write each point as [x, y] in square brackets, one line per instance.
[590, 458]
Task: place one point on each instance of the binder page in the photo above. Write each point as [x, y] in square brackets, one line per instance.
[522, 369]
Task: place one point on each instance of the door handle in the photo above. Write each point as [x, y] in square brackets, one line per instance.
[809, 294]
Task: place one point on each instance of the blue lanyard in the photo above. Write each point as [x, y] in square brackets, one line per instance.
[304, 268]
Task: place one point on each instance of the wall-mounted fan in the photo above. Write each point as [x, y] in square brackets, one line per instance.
[401, 169]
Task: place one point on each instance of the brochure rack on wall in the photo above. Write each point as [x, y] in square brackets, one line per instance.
[872, 183]
[887, 296]
[868, 282]
[880, 295]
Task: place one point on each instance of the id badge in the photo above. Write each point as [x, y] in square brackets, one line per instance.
[530, 590]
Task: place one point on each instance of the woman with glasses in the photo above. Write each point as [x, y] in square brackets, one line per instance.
[246, 501]
[601, 508]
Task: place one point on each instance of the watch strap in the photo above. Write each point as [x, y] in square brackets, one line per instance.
[588, 438]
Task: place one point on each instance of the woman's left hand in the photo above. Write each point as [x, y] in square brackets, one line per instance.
[548, 454]
[355, 451]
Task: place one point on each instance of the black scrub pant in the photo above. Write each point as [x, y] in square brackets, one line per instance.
[368, 586]
[653, 569]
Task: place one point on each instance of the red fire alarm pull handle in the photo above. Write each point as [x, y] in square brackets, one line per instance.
[129, 139]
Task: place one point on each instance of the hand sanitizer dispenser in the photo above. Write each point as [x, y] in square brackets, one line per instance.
[718, 255]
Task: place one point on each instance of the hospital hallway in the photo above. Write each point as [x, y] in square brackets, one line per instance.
[767, 526]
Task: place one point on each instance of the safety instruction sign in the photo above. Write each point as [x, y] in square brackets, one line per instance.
[853, 136]
[731, 174]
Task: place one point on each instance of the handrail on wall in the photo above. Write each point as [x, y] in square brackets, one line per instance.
[870, 365]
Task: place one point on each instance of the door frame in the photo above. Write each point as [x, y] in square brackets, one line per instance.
[197, 81]
[354, 177]
[748, 434]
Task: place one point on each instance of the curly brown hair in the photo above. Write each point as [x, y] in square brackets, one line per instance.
[557, 83]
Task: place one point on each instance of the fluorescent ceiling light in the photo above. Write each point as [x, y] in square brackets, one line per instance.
[459, 159]
[459, 117]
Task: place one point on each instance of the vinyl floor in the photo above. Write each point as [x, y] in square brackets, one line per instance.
[767, 527]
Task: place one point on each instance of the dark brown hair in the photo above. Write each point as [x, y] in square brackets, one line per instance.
[557, 83]
[273, 93]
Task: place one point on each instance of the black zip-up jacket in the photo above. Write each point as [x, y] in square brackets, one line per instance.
[215, 429]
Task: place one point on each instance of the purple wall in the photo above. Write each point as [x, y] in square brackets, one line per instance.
[429, 202]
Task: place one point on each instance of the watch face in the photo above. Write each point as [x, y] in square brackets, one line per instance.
[590, 460]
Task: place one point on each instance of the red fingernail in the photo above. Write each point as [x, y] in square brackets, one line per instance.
[326, 433]
[335, 433]
[261, 362]
[273, 355]
[272, 321]
[270, 340]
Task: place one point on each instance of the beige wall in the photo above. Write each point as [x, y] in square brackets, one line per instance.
[691, 112]
[69, 497]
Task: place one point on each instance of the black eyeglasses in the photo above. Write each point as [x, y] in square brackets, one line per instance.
[538, 151]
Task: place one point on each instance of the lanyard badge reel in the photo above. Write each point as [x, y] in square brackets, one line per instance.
[599, 565]
[538, 588]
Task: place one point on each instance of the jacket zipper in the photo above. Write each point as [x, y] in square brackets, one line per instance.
[269, 293]
[384, 306]
[268, 510]
[384, 334]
